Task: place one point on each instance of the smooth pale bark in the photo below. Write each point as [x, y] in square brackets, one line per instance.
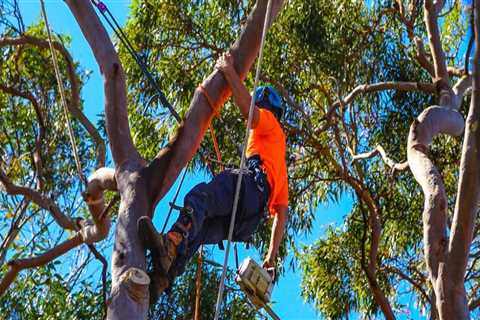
[451, 284]
[446, 256]
[140, 186]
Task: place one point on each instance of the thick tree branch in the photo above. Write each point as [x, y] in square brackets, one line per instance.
[431, 11]
[370, 268]
[74, 103]
[88, 232]
[18, 265]
[118, 129]
[388, 161]
[468, 196]
[381, 86]
[431, 122]
[167, 165]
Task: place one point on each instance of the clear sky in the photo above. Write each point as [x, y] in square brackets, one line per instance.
[289, 304]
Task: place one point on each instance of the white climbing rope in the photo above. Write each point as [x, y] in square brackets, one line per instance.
[242, 161]
[61, 89]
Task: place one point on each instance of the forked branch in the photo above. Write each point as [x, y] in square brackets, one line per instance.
[74, 103]
[394, 166]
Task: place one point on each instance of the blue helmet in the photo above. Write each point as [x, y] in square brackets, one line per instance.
[267, 97]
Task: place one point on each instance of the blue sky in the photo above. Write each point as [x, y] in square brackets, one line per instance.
[289, 304]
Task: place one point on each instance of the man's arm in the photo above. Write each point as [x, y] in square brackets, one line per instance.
[278, 230]
[241, 96]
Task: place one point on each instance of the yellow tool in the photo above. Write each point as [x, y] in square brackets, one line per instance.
[257, 284]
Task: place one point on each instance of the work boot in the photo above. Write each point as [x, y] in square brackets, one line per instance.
[162, 248]
[158, 284]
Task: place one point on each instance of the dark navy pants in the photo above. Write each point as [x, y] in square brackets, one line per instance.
[212, 205]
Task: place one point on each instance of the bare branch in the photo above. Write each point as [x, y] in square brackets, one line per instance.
[431, 11]
[470, 44]
[39, 199]
[14, 229]
[118, 129]
[388, 161]
[74, 105]
[414, 283]
[18, 265]
[37, 158]
[420, 53]
[381, 86]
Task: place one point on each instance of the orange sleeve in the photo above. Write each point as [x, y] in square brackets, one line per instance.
[266, 121]
[282, 197]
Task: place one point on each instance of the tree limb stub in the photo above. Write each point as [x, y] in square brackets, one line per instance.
[460, 90]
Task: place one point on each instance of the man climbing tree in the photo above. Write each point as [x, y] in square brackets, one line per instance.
[208, 207]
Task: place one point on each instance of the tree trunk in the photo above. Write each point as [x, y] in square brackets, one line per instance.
[142, 186]
[447, 256]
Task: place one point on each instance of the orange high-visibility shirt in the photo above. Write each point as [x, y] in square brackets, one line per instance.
[267, 140]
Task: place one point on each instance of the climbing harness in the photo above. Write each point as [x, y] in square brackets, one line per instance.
[242, 162]
[63, 98]
[257, 284]
[112, 22]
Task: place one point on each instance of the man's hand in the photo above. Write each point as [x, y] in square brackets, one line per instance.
[269, 265]
[241, 95]
[225, 64]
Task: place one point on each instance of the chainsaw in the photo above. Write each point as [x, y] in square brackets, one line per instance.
[257, 284]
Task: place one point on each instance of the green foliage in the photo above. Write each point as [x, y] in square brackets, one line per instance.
[64, 289]
[44, 294]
